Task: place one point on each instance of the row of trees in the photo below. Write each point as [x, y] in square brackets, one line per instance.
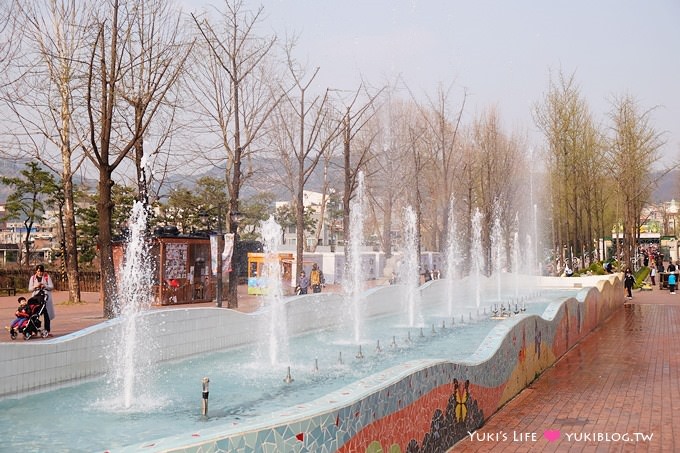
[597, 176]
[136, 94]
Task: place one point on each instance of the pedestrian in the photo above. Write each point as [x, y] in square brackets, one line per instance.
[316, 278]
[41, 281]
[672, 280]
[628, 282]
[303, 284]
[652, 275]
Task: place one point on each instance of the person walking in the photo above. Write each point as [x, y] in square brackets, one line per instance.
[41, 281]
[316, 278]
[628, 282]
[652, 275]
[303, 283]
[672, 281]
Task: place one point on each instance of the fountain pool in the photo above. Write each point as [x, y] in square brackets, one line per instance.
[245, 390]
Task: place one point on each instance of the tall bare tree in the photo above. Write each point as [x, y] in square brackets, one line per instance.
[442, 142]
[306, 127]
[357, 148]
[633, 150]
[387, 182]
[567, 125]
[498, 170]
[236, 99]
[44, 101]
[116, 62]
[155, 57]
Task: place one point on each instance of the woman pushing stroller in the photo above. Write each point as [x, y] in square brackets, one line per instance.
[41, 281]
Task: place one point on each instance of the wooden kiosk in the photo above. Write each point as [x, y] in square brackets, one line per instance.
[182, 268]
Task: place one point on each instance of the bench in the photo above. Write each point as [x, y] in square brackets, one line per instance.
[7, 286]
[10, 290]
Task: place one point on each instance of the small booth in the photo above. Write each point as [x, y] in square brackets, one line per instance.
[257, 282]
[181, 268]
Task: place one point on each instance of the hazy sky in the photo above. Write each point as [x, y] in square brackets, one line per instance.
[500, 51]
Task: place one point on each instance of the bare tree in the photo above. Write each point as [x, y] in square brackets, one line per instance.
[44, 103]
[10, 39]
[387, 182]
[633, 150]
[233, 95]
[357, 148]
[442, 143]
[116, 61]
[566, 123]
[155, 56]
[497, 170]
[306, 130]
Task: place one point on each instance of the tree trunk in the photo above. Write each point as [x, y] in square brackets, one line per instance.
[106, 268]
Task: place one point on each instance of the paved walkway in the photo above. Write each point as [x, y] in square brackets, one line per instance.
[73, 317]
[622, 382]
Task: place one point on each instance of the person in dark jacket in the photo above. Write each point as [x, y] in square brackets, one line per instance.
[628, 283]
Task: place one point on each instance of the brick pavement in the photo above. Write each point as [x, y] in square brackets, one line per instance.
[622, 379]
[73, 317]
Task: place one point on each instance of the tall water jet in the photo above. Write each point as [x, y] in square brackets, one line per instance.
[353, 284]
[516, 262]
[277, 338]
[477, 255]
[452, 258]
[134, 283]
[530, 259]
[497, 252]
[410, 274]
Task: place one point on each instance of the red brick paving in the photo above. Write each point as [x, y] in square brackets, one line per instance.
[73, 317]
[621, 379]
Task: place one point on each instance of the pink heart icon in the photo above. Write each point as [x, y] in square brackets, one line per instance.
[552, 435]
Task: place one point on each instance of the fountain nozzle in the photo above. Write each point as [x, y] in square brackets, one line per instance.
[288, 379]
[204, 402]
[360, 354]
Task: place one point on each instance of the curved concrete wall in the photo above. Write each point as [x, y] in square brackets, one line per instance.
[419, 404]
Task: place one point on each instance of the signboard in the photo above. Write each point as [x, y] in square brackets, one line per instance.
[175, 260]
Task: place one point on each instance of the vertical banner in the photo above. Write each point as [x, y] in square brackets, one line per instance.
[227, 253]
[213, 254]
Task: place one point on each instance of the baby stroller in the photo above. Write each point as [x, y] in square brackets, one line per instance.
[32, 325]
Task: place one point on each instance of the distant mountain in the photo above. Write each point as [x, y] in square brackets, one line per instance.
[668, 187]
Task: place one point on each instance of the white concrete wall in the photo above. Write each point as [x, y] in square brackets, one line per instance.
[182, 332]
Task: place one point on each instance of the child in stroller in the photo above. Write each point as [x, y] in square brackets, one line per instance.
[21, 317]
[28, 314]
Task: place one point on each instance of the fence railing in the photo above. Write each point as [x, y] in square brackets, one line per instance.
[89, 280]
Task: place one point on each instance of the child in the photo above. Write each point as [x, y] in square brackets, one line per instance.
[21, 314]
